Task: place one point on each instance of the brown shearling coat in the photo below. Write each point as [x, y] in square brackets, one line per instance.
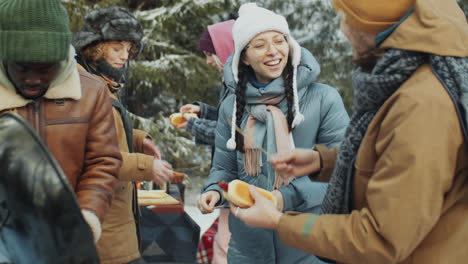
[74, 120]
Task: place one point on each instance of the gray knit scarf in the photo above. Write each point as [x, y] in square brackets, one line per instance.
[371, 90]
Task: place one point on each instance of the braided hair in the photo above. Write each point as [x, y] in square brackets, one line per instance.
[243, 76]
[289, 91]
[244, 72]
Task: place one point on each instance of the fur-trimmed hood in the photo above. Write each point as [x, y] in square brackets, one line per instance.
[65, 85]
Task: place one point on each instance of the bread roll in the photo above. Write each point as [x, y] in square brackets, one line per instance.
[165, 201]
[180, 118]
[151, 194]
[178, 177]
[146, 198]
[238, 193]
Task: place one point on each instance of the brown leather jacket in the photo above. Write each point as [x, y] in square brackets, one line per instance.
[77, 125]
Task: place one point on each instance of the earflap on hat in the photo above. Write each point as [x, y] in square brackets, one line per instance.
[231, 143]
[295, 51]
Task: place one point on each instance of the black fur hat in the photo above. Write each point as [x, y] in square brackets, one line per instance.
[109, 23]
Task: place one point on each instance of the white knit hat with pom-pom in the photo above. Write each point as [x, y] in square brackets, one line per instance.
[252, 21]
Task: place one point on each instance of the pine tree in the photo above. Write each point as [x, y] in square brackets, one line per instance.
[171, 71]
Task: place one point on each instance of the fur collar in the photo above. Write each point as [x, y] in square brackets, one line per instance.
[70, 88]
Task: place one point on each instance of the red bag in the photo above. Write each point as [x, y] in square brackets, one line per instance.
[205, 248]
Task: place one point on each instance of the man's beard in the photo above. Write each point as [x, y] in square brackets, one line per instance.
[31, 97]
[367, 61]
[105, 68]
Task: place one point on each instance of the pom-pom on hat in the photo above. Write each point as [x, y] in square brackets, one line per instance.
[252, 21]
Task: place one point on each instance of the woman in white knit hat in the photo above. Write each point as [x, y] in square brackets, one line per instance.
[278, 106]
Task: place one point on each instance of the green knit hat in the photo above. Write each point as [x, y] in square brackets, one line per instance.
[35, 31]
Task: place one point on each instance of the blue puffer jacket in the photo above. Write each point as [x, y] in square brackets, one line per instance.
[325, 123]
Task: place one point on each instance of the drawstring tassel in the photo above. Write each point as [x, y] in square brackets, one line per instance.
[231, 143]
[280, 180]
[298, 117]
[253, 161]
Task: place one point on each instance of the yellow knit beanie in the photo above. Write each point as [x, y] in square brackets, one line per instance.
[373, 16]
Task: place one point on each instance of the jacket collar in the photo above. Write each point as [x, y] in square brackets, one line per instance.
[66, 85]
[70, 88]
[436, 27]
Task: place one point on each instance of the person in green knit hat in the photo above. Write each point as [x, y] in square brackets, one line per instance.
[67, 107]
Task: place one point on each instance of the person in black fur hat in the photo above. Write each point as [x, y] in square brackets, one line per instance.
[110, 38]
[105, 26]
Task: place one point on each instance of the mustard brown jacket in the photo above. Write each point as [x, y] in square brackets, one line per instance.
[410, 189]
[75, 121]
[119, 240]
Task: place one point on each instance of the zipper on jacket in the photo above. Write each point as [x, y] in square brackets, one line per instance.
[36, 115]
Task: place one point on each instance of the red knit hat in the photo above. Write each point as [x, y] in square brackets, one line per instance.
[206, 44]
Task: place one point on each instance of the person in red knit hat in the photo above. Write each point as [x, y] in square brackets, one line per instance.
[217, 45]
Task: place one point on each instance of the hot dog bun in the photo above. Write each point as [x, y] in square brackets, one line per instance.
[178, 177]
[239, 194]
[180, 118]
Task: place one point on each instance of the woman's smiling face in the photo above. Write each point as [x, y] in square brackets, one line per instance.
[267, 53]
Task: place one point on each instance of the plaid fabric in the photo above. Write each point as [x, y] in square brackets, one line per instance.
[204, 256]
[203, 130]
[205, 248]
[207, 111]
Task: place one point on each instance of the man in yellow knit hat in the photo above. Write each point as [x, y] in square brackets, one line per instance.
[399, 187]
